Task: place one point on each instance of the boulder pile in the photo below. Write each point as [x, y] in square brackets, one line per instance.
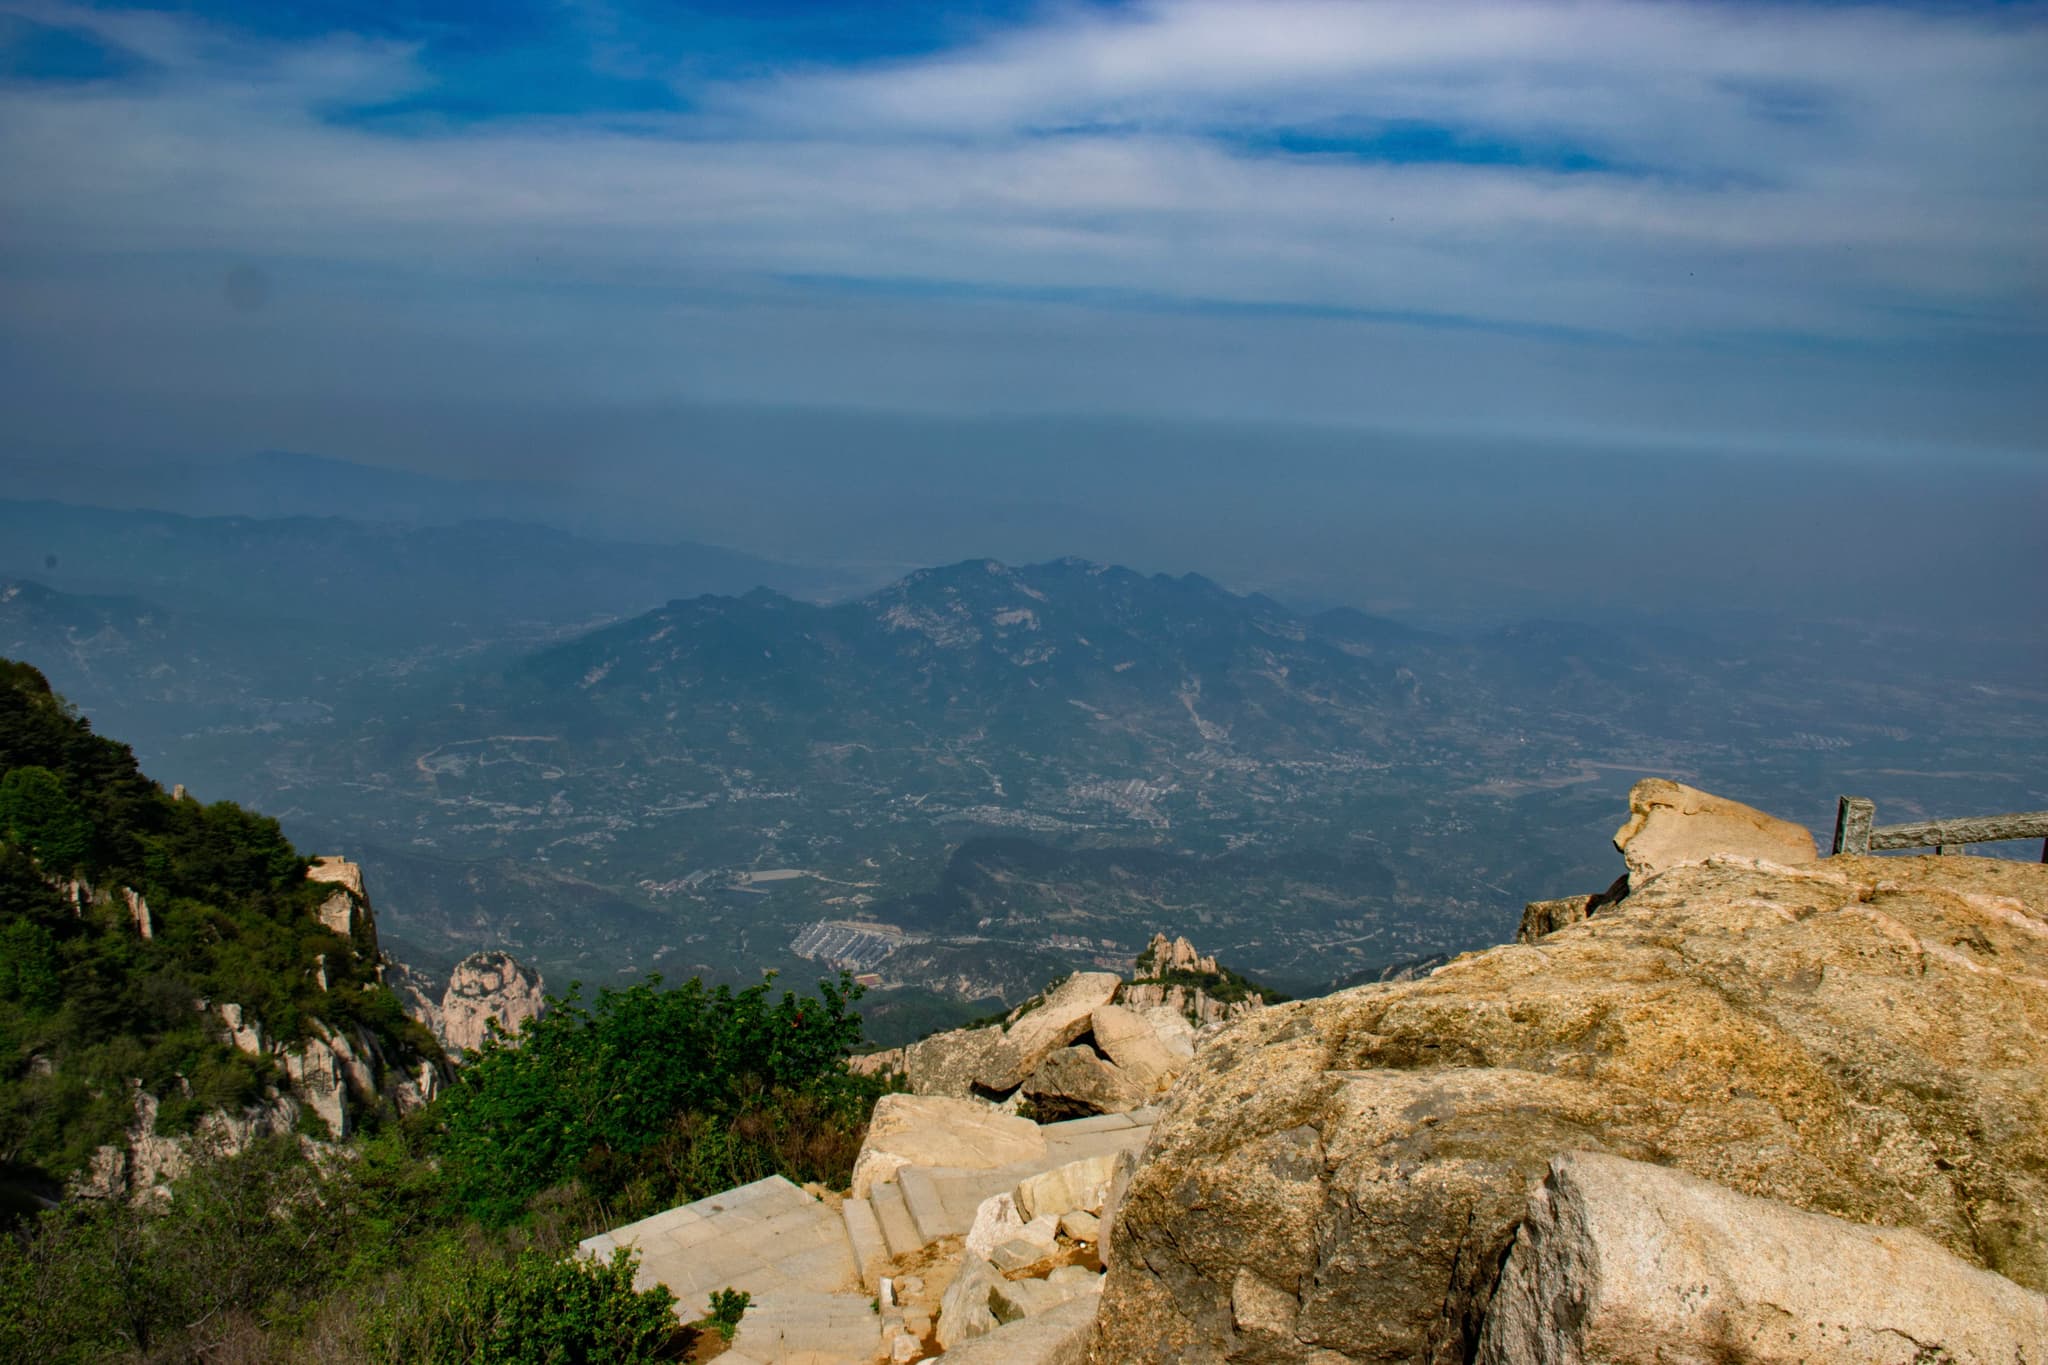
[1095, 1043]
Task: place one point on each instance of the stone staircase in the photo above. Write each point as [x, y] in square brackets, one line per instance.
[814, 1270]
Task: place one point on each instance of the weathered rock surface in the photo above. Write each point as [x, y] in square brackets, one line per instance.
[1132, 1041]
[887, 1062]
[346, 911]
[1340, 1179]
[1619, 1260]
[1065, 1014]
[1547, 917]
[1073, 1082]
[1056, 1336]
[938, 1130]
[964, 1312]
[948, 1063]
[486, 986]
[1670, 823]
[1078, 1185]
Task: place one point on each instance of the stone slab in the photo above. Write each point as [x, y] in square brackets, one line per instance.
[1621, 1259]
[1057, 1336]
[897, 1228]
[800, 1327]
[765, 1238]
[870, 1247]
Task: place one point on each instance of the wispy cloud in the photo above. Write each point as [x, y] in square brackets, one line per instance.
[1657, 174]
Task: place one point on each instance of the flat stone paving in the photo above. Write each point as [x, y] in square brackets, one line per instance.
[765, 1237]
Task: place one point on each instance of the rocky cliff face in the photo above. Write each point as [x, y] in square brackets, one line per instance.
[484, 986]
[334, 1073]
[1862, 1039]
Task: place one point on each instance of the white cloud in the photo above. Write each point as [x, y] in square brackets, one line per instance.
[1856, 175]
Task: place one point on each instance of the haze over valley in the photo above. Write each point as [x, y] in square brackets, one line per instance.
[612, 757]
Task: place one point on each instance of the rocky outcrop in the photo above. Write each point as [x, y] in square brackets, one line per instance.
[948, 1063]
[483, 987]
[1342, 1179]
[1093, 1044]
[140, 1169]
[1670, 823]
[1620, 1260]
[1073, 1082]
[346, 910]
[1056, 1021]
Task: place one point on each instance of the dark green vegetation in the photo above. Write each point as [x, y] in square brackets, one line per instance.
[88, 1006]
[433, 1236]
[655, 1097]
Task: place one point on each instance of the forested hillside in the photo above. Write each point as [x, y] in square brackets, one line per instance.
[122, 909]
[129, 915]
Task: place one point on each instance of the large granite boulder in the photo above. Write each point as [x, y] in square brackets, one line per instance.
[1066, 1013]
[1073, 1082]
[1670, 823]
[1621, 1260]
[1341, 1179]
[947, 1063]
[938, 1130]
[1131, 1039]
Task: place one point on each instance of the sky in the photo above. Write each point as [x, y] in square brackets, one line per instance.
[391, 232]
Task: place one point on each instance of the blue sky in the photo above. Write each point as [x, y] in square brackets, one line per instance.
[1796, 226]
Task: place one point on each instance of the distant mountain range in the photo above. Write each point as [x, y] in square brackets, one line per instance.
[611, 758]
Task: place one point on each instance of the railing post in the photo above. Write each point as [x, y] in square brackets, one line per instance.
[1854, 815]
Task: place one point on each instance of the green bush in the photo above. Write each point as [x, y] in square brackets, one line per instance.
[665, 1094]
[727, 1307]
[536, 1309]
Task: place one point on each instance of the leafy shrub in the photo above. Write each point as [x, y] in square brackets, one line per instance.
[536, 1309]
[674, 1094]
[727, 1307]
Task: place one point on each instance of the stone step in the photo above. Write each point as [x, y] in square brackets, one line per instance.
[870, 1247]
[897, 1228]
[784, 1327]
[927, 1206]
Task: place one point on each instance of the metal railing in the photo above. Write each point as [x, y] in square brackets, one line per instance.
[1857, 830]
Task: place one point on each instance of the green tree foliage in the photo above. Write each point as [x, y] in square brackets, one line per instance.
[660, 1094]
[37, 814]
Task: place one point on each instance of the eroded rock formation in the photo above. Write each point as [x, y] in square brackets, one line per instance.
[483, 987]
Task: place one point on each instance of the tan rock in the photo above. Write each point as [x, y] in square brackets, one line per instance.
[1132, 1042]
[1079, 1225]
[1065, 1014]
[938, 1130]
[1082, 1185]
[1172, 1029]
[887, 1062]
[1055, 1336]
[1619, 1260]
[964, 1311]
[1861, 1037]
[1073, 1082]
[1670, 823]
[996, 1221]
[483, 987]
[1547, 917]
[947, 1063]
